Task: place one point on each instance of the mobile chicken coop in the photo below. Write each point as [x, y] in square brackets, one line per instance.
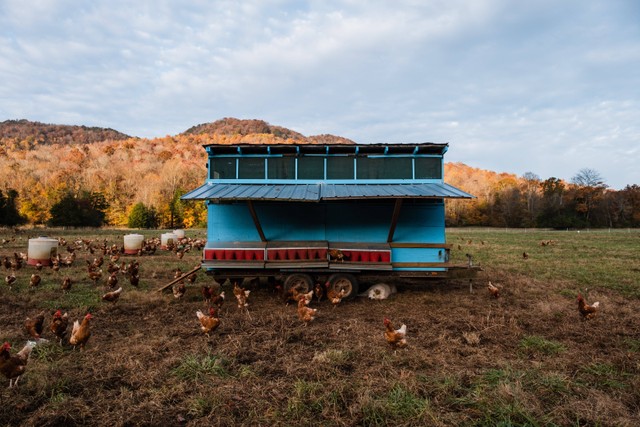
[342, 213]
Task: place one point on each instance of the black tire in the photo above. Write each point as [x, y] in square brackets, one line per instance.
[345, 281]
[301, 282]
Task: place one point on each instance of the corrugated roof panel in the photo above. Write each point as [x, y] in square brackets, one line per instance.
[324, 191]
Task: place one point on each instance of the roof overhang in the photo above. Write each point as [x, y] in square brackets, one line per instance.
[425, 148]
[224, 192]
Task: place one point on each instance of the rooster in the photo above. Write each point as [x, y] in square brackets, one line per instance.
[81, 332]
[587, 311]
[13, 366]
[395, 337]
[59, 324]
[34, 326]
[112, 296]
[208, 323]
[493, 290]
[305, 313]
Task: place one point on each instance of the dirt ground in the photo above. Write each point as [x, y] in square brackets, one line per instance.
[526, 358]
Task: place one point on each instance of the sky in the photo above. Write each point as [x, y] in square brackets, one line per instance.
[541, 86]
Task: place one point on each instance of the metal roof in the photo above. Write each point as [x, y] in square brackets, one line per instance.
[364, 149]
[323, 191]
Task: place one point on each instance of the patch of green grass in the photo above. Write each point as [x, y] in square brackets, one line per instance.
[603, 376]
[571, 256]
[633, 344]
[198, 367]
[539, 345]
[399, 406]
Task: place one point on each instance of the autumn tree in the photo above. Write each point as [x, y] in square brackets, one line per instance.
[85, 210]
[589, 191]
[9, 214]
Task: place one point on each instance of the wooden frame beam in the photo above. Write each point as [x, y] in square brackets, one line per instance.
[394, 220]
[256, 221]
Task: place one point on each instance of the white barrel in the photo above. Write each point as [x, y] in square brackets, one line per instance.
[179, 233]
[133, 243]
[41, 250]
[168, 239]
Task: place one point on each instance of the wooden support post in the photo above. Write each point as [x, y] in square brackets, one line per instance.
[256, 221]
[394, 219]
[184, 276]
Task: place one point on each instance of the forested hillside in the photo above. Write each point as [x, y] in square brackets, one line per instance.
[46, 166]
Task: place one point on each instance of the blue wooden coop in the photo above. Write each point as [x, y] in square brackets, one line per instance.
[336, 212]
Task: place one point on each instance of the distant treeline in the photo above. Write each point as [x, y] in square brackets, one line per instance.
[57, 175]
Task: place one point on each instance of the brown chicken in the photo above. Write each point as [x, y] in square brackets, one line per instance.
[35, 280]
[208, 323]
[395, 337]
[134, 279]
[587, 311]
[81, 332]
[112, 296]
[334, 296]
[10, 280]
[318, 291]
[34, 326]
[493, 290]
[59, 324]
[13, 366]
[66, 284]
[207, 293]
[305, 313]
[241, 295]
[112, 280]
[218, 300]
[179, 290]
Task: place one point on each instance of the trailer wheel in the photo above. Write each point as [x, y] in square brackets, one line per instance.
[300, 282]
[345, 281]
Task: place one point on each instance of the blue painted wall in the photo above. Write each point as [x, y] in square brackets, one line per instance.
[343, 221]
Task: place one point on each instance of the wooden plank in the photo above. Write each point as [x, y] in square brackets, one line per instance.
[394, 220]
[180, 278]
[421, 245]
[256, 221]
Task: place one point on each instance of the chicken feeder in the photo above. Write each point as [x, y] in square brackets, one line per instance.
[168, 239]
[133, 243]
[179, 234]
[42, 250]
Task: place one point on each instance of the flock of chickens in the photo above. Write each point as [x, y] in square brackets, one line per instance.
[13, 365]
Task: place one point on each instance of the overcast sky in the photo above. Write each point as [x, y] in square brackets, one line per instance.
[541, 86]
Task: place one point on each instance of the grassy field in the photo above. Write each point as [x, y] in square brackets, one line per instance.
[526, 358]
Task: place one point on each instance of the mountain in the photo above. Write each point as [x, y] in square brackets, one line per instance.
[237, 131]
[34, 133]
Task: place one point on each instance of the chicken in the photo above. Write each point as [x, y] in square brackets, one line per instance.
[207, 293]
[179, 290]
[493, 290]
[38, 266]
[241, 295]
[290, 295]
[208, 323]
[34, 326]
[525, 255]
[336, 254]
[305, 313]
[218, 300]
[95, 276]
[6, 263]
[192, 278]
[395, 337]
[587, 311]
[112, 280]
[10, 280]
[66, 284]
[59, 324]
[35, 280]
[134, 280]
[112, 296]
[334, 296]
[13, 366]
[307, 297]
[318, 291]
[81, 332]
